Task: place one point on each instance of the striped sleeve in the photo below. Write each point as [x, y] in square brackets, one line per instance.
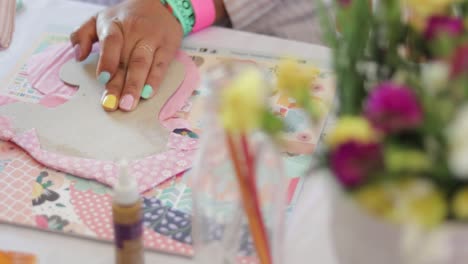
[243, 13]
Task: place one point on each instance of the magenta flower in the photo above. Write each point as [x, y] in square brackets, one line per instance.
[439, 25]
[353, 162]
[460, 61]
[392, 108]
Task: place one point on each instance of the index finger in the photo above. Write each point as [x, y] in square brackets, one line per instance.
[83, 38]
[111, 41]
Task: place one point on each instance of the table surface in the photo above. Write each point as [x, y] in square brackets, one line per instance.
[307, 237]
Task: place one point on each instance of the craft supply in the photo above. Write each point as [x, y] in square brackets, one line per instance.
[205, 14]
[11, 257]
[128, 219]
[246, 182]
[7, 22]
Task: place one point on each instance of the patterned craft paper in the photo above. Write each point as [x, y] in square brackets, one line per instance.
[18, 87]
[300, 135]
[33, 195]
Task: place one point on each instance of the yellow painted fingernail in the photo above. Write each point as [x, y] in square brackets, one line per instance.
[109, 102]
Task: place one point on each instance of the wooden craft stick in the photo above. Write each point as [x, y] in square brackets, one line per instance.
[254, 220]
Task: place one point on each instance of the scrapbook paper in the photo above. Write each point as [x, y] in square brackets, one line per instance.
[300, 137]
[43, 68]
[32, 195]
[17, 86]
[35, 196]
[149, 171]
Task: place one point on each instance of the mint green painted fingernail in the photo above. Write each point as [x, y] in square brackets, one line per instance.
[147, 91]
[104, 77]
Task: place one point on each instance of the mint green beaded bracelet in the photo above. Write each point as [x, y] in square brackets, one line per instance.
[183, 11]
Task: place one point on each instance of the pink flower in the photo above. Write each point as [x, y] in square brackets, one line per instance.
[354, 162]
[460, 61]
[439, 25]
[393, 108]
[304, 136]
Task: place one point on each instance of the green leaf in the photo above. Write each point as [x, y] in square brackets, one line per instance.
[400, 159]
[59, 205]
[176, 196]
[47, 184]
[271, 123]
[328, 26]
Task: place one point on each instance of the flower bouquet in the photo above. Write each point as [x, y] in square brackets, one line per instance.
[399, 149]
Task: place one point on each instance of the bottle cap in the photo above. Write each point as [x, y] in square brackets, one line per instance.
[126, 189]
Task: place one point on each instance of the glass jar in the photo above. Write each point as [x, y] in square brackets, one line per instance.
[221, 229]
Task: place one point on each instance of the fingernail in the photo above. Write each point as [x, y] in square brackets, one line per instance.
[126, 102]
[104, 77]
[77, 50]
[147, 91]
[109, 102]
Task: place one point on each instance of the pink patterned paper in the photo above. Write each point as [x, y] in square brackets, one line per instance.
[85, 213]
[15, 190]
[6, 100]
[96, 213]
[43, 69]
[180, 97]
[149, 171]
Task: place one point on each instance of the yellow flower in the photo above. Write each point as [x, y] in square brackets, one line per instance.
[351, 128]
[375, 199]
[242, 102]
[295, 79]
[419, 202]
[460, 204]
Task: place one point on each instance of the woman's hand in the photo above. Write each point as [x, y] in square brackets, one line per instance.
[139, 39]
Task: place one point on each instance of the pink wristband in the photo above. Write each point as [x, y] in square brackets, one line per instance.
[205, 14]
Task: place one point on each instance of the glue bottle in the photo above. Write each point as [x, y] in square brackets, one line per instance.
[127, 215]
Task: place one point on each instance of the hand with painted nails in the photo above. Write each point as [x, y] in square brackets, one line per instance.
[138, 40]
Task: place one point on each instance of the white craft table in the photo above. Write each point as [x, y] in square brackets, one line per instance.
[307, 238]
